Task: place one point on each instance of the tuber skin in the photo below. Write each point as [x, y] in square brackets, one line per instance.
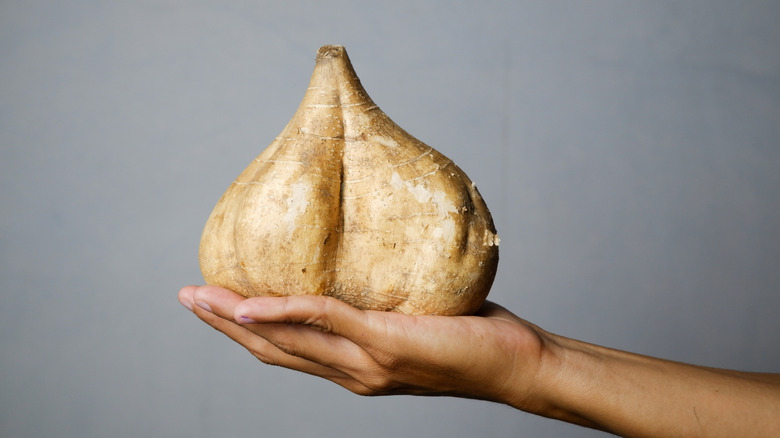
[345, 203]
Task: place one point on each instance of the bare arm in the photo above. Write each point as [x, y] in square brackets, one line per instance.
[493, 356]
[635, 395]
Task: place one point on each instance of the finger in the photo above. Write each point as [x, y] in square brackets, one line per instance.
[294, 340]
[214, 306]
[212, 311]
[305, 331]
[327, 349]
[186, 296]
[310, 351]
[217, 300]
[325, 313]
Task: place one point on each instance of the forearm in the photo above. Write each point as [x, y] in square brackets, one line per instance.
[634, 395]
[495, 356]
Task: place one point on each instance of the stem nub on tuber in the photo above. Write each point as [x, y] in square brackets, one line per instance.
[345, 203]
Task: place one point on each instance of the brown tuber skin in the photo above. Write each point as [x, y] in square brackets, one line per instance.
[347, 204]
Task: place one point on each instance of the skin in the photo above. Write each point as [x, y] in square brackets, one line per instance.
[496, 356]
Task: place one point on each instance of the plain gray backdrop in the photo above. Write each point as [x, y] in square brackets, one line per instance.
[629, 152]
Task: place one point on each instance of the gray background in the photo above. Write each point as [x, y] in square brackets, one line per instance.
[630, 153]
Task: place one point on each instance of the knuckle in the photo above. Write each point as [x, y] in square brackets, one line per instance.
[380, 383]
[285, 346]
[319, 317]
[270, 354]
[383, 387]
[264, 358]
[388, 361]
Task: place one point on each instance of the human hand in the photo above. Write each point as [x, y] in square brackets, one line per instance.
[493, 355]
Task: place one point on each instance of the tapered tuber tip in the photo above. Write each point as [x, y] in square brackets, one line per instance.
[330, 51]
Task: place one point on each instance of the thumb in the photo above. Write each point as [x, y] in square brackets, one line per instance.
[323, 313]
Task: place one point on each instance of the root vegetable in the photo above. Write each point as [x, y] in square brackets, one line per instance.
[345, 203]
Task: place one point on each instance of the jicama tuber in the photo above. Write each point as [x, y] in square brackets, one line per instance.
[347, 204]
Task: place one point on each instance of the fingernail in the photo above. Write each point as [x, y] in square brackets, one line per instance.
[187, 304]
[246, 320]
[203, 306]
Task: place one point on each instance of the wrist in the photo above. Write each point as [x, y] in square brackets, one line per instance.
[555, 389]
